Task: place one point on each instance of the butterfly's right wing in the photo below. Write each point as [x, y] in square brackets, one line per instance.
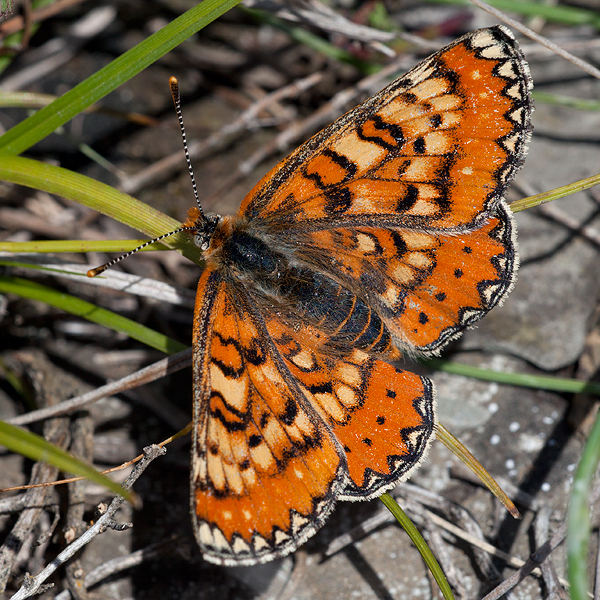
[434, 150]
[426, 287]
[400, 200]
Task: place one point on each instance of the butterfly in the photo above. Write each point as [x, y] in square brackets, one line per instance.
[383, 235]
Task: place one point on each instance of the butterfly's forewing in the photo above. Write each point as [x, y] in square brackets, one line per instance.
[435, 149]
[265, 467]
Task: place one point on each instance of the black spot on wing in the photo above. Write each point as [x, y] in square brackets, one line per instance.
[409, 199]
[399, 244]
[419, 145]
[338, 201]
[435, 120]
[393, 130]
[254, 440]
[321, 388]
[291, 412]
[255, 354]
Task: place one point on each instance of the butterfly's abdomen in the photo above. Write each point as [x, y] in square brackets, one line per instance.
[347, 319]
[308, 295]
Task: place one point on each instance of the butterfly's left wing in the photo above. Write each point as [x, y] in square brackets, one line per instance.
[265, 468]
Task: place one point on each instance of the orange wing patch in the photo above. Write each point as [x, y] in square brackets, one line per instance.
[264, 466]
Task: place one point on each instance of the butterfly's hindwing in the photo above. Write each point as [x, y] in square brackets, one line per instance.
[383, 417]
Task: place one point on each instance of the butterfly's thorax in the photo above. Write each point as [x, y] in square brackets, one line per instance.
[305, 294]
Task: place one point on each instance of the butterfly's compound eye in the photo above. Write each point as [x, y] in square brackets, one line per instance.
[202, 241]
[205, 229]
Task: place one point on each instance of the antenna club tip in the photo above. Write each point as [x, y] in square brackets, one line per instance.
[96, 271]
[514, 512]
[173, 80]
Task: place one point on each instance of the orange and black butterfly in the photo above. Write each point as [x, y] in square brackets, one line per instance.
[384, 234]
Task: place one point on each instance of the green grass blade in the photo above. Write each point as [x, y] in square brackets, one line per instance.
[25, 265]
[25, 99]
[462, 453]
[98, 196]
[542, 382]
[420, 543]
[57, 246]
[17, 383]
[86, 310]
[38, 449]
[38, 126]
[578, 516]
[569, 101]
[556, 193]
[557, 13]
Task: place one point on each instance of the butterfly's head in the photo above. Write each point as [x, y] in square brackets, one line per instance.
[202, 227]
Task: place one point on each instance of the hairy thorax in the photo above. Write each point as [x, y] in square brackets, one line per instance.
[304, 294]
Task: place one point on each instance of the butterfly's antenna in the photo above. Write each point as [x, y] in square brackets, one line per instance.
[174, 85]
[114, 261]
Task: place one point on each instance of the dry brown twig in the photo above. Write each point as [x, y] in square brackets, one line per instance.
[315, 14]
[82, 446]
[18, 23]
[541, 527]
[539, 555]
[155, 371]
[417, 496]
[114, 280]
[32, 585]
[57, 52]
[122, 563]
[36, 501]
[173, 163]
